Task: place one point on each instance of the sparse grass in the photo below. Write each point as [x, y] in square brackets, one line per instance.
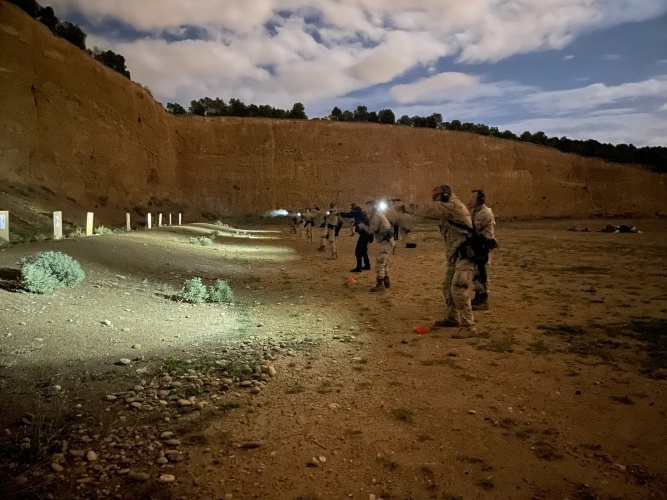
[202, 240]
[566, 330]
[325, 387]
[175, 366]
[388, 463]
[441, 362]
[402, 415]
[77, 232]
[623, 400]
[229, 405]
[545, 451]
[42, 237]
[46, 272]
[295, 389]
[103, 230]
[502, 344]
[539, 347]
[486, 483]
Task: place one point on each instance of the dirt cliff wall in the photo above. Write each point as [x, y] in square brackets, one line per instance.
[74, 127]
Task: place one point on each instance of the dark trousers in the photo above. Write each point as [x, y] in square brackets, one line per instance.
[361, 250]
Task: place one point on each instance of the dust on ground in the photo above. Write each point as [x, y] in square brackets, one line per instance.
[561, 396]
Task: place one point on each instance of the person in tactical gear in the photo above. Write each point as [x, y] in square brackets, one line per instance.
[455, 225]
[361, 250]
[333, 225]
[483, 224]
[381, 231]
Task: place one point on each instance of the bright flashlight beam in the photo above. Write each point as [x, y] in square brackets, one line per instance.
[382, 206]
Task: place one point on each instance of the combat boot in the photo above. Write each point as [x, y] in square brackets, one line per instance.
[446, 323]
[387, 283]
[480, 302]
[465, 332]
[367, 267]
[379, 285]
[356, 270]
[322, 248]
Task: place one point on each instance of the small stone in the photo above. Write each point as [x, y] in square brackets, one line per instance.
[255, 390]
[322, 458]
[139, 476]
[313, 462]
[57, 467]
[136, 346]
[472, 412]
[271, 371]
[245, 383]
[162, 461]
[136, 405]
[123, 361]
[172, 442]
[166, 435]
[77, 453]
[184, 402]
[618, 466]
[199, 406]
[167, 478]
[106, 322]
[138, 388]
[91, 456]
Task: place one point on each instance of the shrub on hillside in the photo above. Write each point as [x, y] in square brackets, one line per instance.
[46, 272]
[220, 292]
[202, 240]
[103, 230]
[193, 291]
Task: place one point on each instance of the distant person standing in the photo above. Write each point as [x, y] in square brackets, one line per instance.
[455, 224]
[360, 221]
[483, 224]
[382, 232]
[332, 221]
[309, 223]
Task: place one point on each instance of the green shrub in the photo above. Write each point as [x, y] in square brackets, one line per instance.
[193, 291]
[78, 232]
[220, 292]
[202, 240]
[103, 230]
[46, 272]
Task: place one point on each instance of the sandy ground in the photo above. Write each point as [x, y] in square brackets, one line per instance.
[562, 396]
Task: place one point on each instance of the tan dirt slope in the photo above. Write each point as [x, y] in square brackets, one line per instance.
[73, 127]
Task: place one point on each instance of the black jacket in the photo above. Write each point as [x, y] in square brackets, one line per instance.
[358, 215]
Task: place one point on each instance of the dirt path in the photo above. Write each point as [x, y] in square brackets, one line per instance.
[562, 396]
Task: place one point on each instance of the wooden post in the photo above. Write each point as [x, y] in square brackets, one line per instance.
[4, 226]
[57, 225]
[128, 227]
[89, 223]
[170, 219]
[148, 221]
[159, 220]
[179, 219]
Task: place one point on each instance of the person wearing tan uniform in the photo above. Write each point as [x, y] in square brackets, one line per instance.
[453, 218]
[332, 222]
[483, 223]
[382, 232]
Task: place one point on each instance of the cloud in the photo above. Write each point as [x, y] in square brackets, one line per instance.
[596, 95]
[432, 87]
[611, 57]
[663, 107]
[321, 51]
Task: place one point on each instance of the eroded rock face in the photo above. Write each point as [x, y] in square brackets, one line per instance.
[79, 130]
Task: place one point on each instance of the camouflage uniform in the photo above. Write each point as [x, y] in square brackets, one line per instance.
[483, 220]
[332, 221]
[457, 285]
[383, 234]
